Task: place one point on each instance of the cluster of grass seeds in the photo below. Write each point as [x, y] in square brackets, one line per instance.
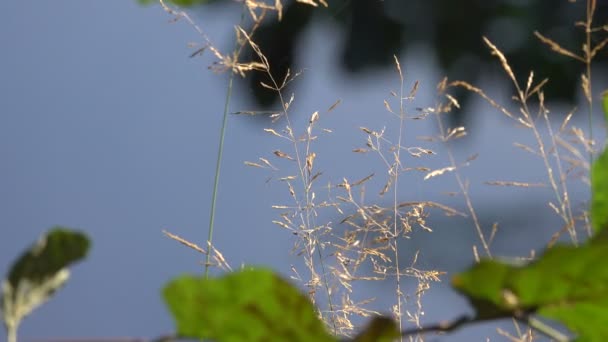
[365, 244]
[372, 234]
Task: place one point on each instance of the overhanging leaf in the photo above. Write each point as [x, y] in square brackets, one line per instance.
[380, 329]
[249, 305]
[599, 190]
[38, 273]
[567, 284]
[482, 284]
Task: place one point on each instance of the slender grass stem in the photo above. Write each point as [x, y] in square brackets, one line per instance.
[218, 167]
[546, 330]
[220, 152]
[11, 333]
[588, 57]
[397, 169]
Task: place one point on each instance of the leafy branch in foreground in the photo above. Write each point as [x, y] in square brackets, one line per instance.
[38, 274]
[567, 284]
[253, 305]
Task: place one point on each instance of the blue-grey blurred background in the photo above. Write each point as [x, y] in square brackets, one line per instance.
[107, 125]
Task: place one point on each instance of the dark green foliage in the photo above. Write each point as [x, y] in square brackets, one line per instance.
[249, 305]
[599, 184]
[38, 274]
[54, 251]
[568, 284]
[380, 329]
[254, 305]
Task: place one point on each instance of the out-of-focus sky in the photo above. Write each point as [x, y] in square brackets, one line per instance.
[107, 126]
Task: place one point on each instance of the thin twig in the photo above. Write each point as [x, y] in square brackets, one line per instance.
[442, 327]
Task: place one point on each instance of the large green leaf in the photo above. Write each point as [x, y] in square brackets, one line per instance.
[380, 329]
[38, 273]
[567, 284]
[599, 190]
[599, 186]
[249, 305]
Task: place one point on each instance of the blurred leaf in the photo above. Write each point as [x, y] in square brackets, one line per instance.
[39, 272]
[568, 284]
[482, 284]
[249, 305]
[599, 190]
[380, 329]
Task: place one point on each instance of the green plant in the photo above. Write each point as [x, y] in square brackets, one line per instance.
[38, 274]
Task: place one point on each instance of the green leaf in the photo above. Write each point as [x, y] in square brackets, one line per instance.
[38, 273]
[380, 329]
[249, 305]
[484, 291]
[599, 194]
[567, 284]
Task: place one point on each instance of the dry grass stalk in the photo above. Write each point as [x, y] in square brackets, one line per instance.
[448, 134]
[220, 261]
[557, 171]
[516, 184]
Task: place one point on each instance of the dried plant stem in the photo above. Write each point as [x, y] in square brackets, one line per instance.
[466, 320]
[461, 184]
[588, 53]
[565, 211]
[396, 170]
[440, 327]
[308, 217]
[546, 329]
[11, 333]
[588, 58]
[526, 118]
